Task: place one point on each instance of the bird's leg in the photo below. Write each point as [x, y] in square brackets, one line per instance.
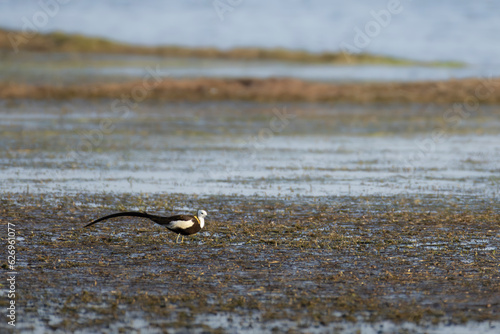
[177, 240]
[182, 240]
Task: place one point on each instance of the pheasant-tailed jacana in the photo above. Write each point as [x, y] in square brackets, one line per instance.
[181, 224]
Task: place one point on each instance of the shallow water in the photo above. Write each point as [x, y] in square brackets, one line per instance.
[57, 68]
[246, 149]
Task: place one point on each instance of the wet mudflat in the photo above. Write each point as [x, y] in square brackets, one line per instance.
[313, 264]
[322, 218]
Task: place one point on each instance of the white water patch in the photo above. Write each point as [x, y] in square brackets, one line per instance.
[304, 165]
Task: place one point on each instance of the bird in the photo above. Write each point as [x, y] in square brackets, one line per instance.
[180, 224]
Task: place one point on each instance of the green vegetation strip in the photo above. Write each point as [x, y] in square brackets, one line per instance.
[313, 261]
[73, 43]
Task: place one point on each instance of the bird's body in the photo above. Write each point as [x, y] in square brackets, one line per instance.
[180, 224]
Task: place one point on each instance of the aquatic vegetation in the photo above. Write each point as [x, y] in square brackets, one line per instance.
[314, 260]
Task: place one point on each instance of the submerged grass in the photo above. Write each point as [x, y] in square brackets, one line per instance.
[310, 260]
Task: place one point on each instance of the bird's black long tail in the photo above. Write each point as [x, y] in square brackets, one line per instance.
[124, 214]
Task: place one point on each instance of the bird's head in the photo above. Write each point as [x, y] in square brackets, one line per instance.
[202, 214]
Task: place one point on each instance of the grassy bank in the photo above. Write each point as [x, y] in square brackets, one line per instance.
[58, 42]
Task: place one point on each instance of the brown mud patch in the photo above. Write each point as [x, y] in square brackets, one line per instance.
[468, 91]
[312, 261]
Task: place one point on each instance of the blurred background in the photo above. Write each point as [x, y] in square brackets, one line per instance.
[462, 32]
